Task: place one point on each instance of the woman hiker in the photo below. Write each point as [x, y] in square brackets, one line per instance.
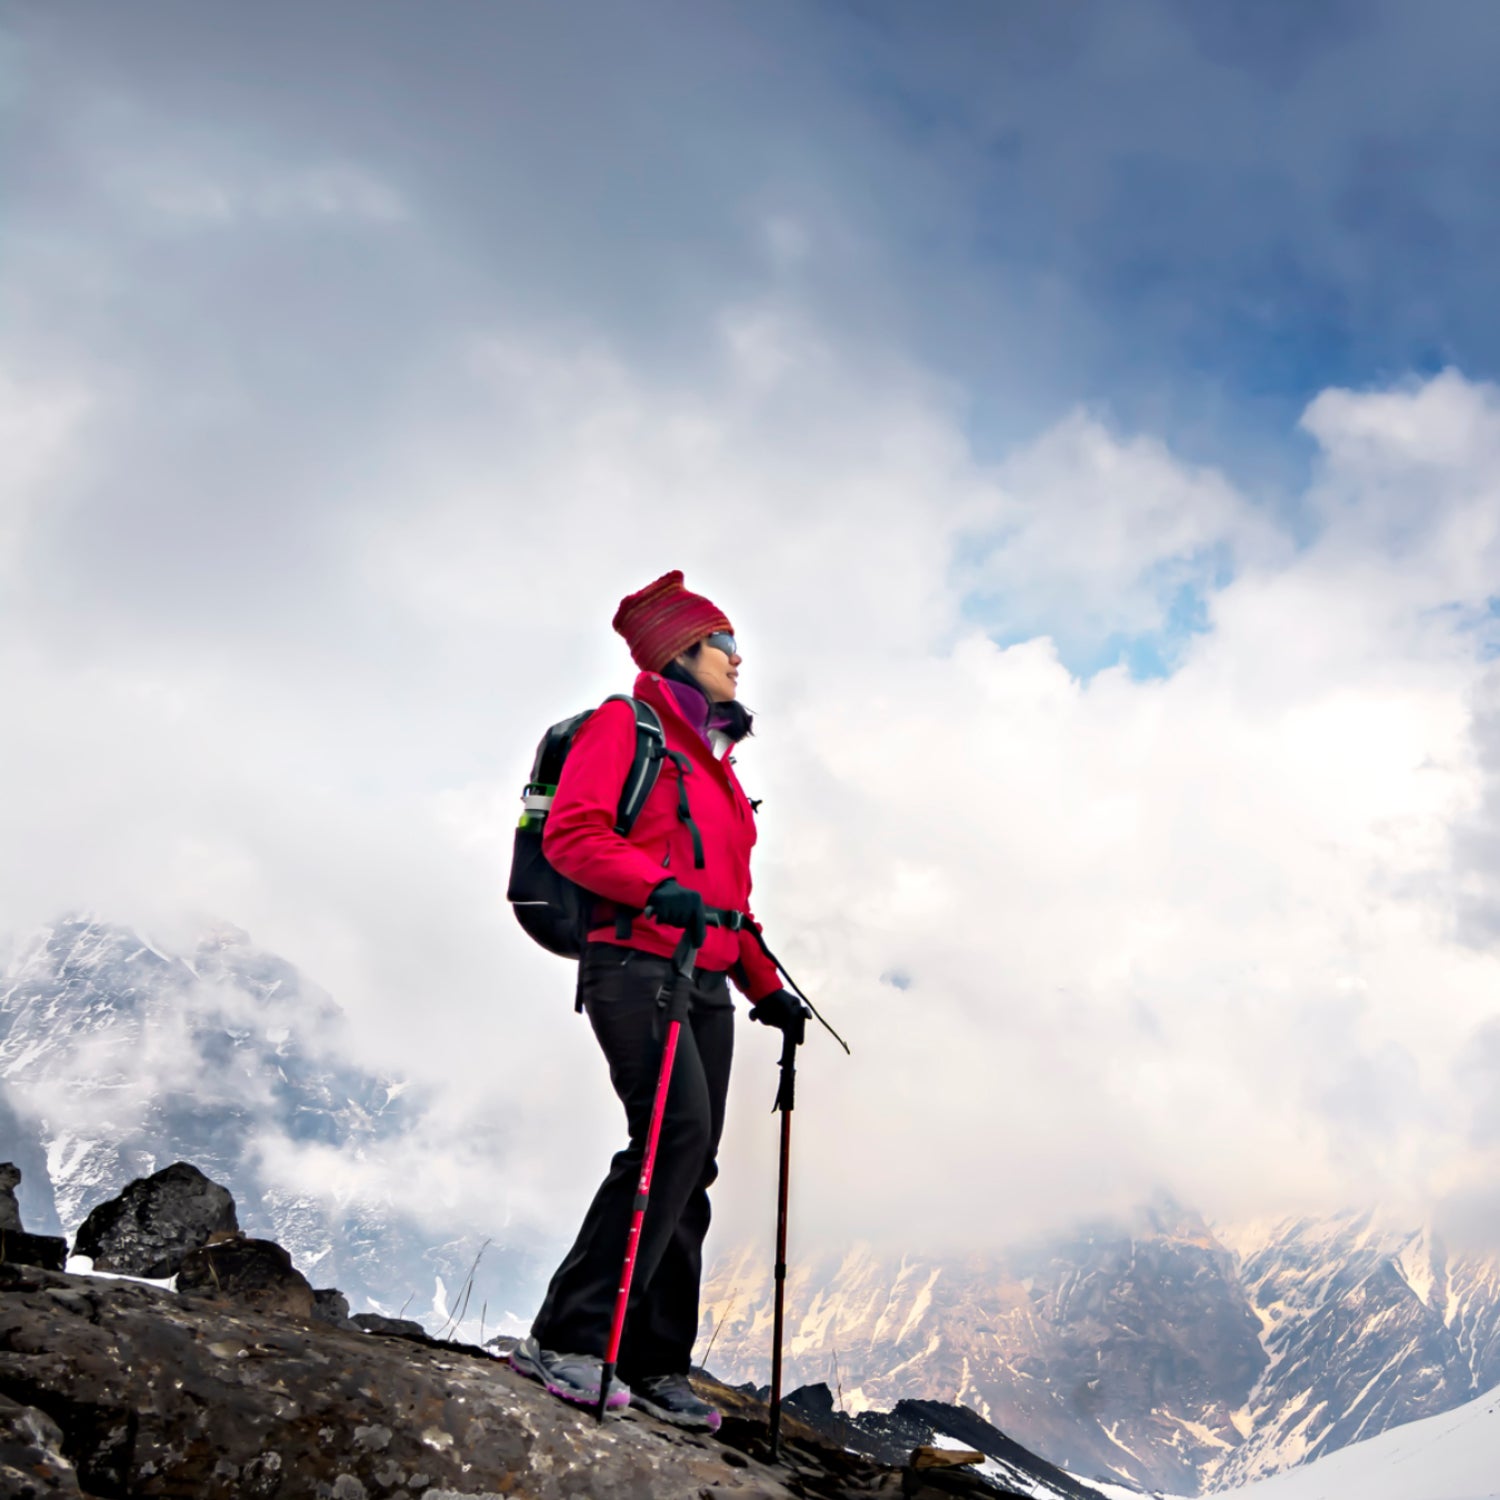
[689, 661]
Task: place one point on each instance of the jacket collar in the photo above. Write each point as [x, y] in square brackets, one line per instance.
[662, 694]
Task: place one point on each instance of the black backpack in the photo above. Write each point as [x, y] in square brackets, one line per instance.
[553, 910]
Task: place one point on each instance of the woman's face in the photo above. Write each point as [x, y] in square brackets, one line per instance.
[714, 669]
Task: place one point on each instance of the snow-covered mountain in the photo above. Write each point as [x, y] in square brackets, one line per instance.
[1452, 1456]
[1367, 1327]
[1159, 1354]
[119, 1055]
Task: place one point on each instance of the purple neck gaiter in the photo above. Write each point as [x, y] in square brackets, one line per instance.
[694, 706]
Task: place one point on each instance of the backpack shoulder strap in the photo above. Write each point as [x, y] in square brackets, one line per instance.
[645, 765]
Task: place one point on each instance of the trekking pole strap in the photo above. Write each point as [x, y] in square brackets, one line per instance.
[739, 921]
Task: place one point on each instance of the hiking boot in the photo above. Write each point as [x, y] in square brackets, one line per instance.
[569, 1377]
[671, 1398]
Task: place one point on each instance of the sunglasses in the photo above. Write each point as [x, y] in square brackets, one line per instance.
[722, 640]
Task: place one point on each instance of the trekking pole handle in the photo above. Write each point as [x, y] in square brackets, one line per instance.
[686, 955]
[712, 916]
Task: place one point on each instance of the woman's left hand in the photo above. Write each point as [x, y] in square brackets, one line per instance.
[783, 1010]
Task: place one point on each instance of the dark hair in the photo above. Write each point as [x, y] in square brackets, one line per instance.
[732, 719]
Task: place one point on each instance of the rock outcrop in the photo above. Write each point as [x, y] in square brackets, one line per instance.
[155, 1222]
[21, 1142]
[10, 1211]
[16, 1246]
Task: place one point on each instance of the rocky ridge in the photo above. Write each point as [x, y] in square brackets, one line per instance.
[243, 1382]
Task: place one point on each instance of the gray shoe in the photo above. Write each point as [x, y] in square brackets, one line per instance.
[672, 1399]
[569, 1377]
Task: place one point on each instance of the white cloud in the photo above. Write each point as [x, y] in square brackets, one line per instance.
[1089, 534]
[1410, 476]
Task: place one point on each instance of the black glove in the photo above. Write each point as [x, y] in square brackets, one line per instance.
[674, 905]
[783, 1010]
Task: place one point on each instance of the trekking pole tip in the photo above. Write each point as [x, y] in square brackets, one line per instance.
[606, 1384]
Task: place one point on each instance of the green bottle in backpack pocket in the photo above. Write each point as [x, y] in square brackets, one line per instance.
[536, 803]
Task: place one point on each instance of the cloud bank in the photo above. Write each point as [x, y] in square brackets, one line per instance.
[1215, 928]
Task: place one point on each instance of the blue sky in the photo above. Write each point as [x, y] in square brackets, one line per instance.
[1105, 394]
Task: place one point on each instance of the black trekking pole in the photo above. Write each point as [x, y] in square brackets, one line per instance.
[786, 1099]
[786, 1092]
[679, 1001]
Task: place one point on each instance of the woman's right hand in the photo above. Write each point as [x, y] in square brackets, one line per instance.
[674, 905]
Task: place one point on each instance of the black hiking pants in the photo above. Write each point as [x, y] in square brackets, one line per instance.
[620, 989]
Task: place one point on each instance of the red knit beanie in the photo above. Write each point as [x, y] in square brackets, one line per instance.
[663, 620]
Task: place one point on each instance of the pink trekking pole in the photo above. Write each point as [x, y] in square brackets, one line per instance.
[678, 1003]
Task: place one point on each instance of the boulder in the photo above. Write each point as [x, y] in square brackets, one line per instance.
[10, 1210]
[810, 1401]
[928, 1457]
[258, 1273]
[16, 1246]
[155, 1222]
[400, 1328]
[21, 1249]
[331, 1306]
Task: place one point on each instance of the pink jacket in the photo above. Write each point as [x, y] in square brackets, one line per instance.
[581, 842]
